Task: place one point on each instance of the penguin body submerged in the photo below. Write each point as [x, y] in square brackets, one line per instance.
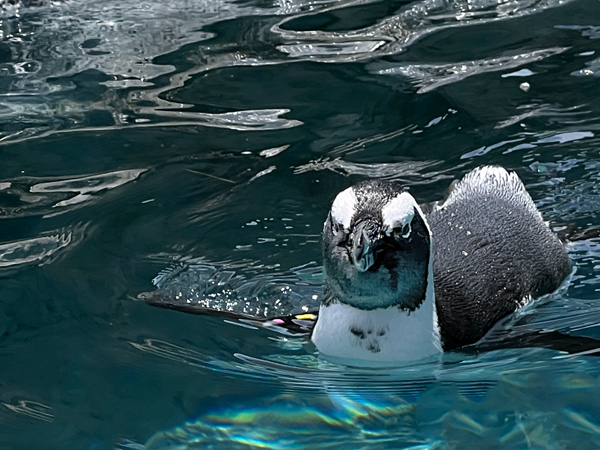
[402, 285]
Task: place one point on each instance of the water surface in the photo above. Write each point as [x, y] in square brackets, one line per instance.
[199, 144]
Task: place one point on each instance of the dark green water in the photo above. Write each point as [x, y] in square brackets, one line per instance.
[211, 137]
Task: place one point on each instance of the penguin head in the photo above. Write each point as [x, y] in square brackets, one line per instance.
[376, 248]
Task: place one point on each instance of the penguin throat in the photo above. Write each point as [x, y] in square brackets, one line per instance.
[329, 298]
[405, 290]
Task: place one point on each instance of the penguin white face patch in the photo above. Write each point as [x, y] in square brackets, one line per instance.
[343, 208]
[398, 213]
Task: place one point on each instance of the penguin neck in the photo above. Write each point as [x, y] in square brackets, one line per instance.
[380, 337]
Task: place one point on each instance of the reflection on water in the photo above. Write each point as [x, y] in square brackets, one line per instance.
[35, 250]
[455, 406]
[37, 197]
[429, 77]
[190, 150]
[34, 410]
[169, 351]
[323, 424]
[116, 47]
[360, 424]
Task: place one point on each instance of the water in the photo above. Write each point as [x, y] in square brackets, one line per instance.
[199, 144]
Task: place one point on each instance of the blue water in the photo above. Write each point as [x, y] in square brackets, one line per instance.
[192, 148]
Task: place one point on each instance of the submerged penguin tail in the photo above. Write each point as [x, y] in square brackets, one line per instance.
[567, 344]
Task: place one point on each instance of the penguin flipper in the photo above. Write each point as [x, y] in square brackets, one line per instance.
[296, 324]
[162, 301]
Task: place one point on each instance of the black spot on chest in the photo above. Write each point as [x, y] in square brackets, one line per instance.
[373, 347]
[367, 337]
[358, 332]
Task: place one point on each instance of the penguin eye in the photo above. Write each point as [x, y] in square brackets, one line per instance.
[402, 232]
[336, 228]
[406, 229]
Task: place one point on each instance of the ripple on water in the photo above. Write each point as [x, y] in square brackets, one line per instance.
[236, 287]
[47, 197]
[106, 45]
[428, 77]
[181, 146]
[42, 249]
[518, 410]
[515, 397]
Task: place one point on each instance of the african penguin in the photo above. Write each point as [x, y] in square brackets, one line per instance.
[403, 285]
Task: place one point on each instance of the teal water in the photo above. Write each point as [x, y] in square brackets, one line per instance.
[199, 144]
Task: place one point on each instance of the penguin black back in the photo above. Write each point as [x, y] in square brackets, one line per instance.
[492, 252]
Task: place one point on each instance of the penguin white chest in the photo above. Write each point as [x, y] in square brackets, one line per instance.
[385, 336]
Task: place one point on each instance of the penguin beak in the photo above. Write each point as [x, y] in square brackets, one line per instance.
[361, 245]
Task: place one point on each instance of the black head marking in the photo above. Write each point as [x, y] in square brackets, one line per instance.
[371, 197]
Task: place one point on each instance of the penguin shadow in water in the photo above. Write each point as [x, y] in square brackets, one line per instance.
[405, 282]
